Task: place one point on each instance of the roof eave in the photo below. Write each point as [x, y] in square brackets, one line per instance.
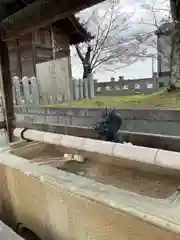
[84, 35]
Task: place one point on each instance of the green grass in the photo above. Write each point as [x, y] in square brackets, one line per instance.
[156, 100]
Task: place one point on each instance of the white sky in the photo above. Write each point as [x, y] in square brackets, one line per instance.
[139, 69]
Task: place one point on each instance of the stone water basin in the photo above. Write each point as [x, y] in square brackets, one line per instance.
[151, 181]
[99, 198]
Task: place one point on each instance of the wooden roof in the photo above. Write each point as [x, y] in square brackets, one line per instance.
[21, 16]
[72, 27]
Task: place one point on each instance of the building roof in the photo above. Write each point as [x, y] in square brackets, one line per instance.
[77, 33]
[21, 16]
[72, 27]
[9, 7]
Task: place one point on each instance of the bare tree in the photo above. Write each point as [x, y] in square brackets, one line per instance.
[160, 24]
[109, 47]
[163, 36]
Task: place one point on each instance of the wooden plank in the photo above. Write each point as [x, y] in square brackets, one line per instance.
[2, 125]
[7, 89]
[40, 14]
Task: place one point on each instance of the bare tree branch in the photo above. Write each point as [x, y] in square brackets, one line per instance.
[149, 39]
[80, 53]
[108, 47]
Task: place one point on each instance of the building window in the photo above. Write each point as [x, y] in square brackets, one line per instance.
[117, 88]
[108, 88]
[137, 86]
[149, 85]
[161, 84]
[125, 87]
[98, 89]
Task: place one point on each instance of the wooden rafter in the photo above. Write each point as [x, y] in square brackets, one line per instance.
[39, 14]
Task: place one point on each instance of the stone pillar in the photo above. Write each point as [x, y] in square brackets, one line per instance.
[25, 81]
[95, 86]
[35, 92]
[86, 88]
[156, 81]
[50, 100]
[121, 80]
[75, 89]
[18, 91]
[91, 86]
[80, 83]
[15, 98]
[59, 98]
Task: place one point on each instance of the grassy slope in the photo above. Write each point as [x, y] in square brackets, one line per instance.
[155, 100]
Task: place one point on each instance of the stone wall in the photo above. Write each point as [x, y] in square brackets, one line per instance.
[40, 90]
[135, 120]
[129, 86]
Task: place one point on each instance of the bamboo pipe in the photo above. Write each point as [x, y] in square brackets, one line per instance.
[167, 159]
[111, 149]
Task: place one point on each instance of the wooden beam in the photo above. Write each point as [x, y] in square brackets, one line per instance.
[41, 13]
[2, 125]
[79, 28]
[7, 89]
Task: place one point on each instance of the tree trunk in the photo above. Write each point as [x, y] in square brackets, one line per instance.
[87, 72]
[175, 63]
[86, 69]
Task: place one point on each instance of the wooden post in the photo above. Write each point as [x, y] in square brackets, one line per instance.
[6, 84]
